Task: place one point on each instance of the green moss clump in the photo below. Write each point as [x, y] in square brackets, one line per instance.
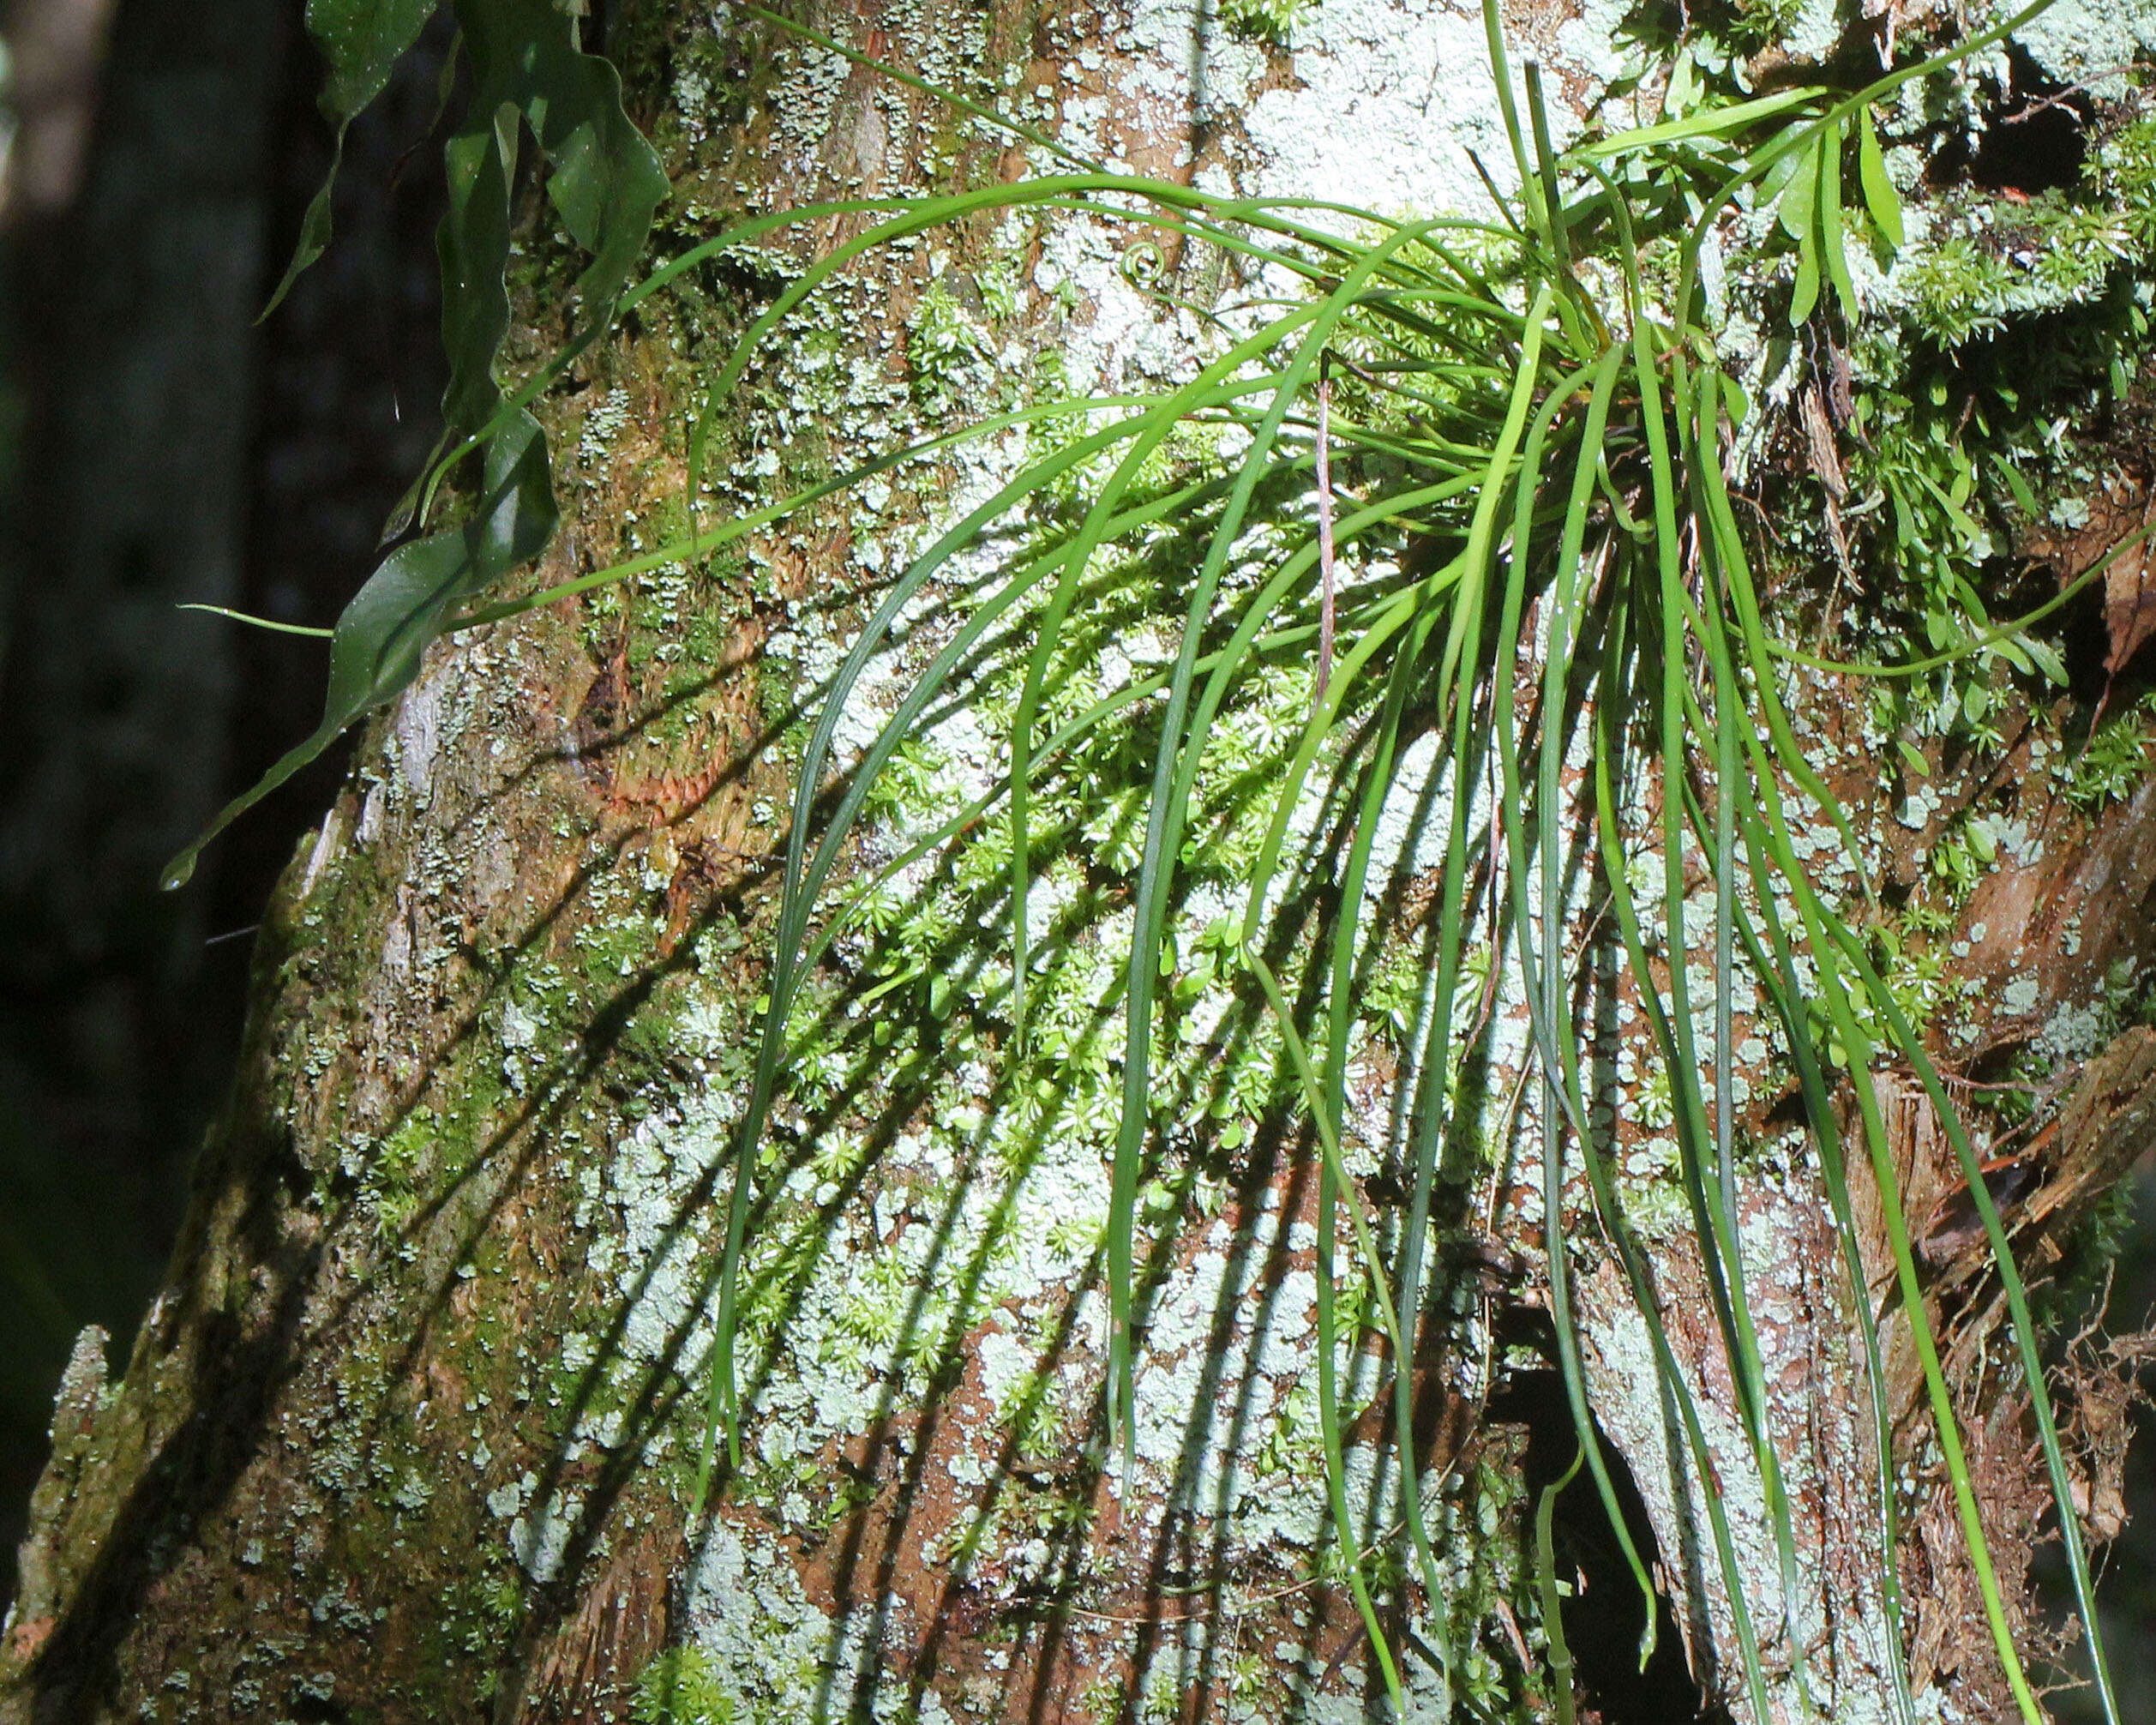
[680, 1687]
[2123, 173]
[2115, 762]
[1264, 21]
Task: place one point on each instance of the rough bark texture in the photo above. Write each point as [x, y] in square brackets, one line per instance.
[412, 1431]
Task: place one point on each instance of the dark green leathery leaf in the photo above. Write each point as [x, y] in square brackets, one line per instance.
[473, 245]
[379, 638]
[362, 40]
[606, 184]
[1880, 197]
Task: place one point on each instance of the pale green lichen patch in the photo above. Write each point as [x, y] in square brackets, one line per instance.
[766, 1662]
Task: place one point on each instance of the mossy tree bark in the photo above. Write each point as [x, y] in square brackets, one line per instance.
[413, 1430]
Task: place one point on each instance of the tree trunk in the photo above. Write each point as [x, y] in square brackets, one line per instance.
[414, 1430]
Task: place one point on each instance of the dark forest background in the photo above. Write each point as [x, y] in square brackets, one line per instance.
[158, 445]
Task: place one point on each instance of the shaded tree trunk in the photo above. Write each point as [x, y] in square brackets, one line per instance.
[413, 1430]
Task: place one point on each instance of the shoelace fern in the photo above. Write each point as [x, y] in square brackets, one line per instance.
[1589, 482]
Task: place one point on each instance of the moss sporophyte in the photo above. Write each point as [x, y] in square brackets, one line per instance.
[1372, 722]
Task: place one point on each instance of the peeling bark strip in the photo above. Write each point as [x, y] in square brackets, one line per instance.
[412, 1431]
[2047, 1186]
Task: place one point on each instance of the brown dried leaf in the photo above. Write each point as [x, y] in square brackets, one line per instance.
[2130, 602]
[2109, 1120]
[2123, 504]
[620, 1623]
[2107, 1124]
[1950, 1636]
[1819, 444]
[2104, 1428]
[1841, 393]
